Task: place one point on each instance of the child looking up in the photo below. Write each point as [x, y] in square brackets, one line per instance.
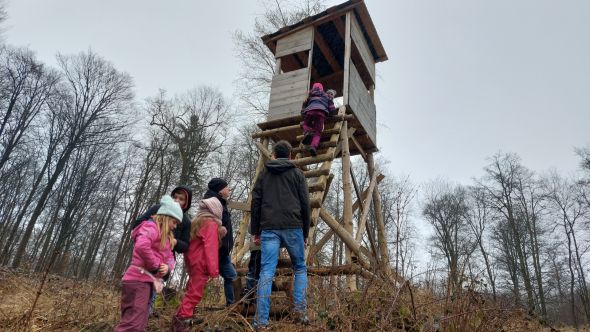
[152, 259]
[315, 109]
[201, 260]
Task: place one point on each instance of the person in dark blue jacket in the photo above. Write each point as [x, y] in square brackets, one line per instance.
[315, 109]
[219, 188]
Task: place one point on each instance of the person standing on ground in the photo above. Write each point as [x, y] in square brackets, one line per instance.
[201, 261]
[280, 217]
[219, 189]
[152, 259]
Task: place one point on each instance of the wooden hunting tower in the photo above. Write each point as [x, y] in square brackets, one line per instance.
[338, 47]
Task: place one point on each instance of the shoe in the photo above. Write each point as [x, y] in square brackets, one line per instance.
[307, 138]
[180, 325]
[313, 151]
[261, 328]
[302, 319]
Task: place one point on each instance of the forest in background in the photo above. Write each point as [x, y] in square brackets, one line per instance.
[81, 157]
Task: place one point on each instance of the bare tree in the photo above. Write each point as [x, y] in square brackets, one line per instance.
[257, 62]
[25, 85]
[501, 183]
[95, 98]
[196, 123]
[569, 209]
[479, 216]
[446, 209]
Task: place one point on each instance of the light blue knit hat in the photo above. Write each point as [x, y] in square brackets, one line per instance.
[169, 207]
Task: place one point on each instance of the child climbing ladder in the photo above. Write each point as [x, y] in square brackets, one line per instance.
[315, 109]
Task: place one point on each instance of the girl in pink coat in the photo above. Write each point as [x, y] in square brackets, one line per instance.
[152, 259]
[201, 260]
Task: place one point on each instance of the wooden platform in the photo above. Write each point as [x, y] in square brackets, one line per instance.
[289, 129]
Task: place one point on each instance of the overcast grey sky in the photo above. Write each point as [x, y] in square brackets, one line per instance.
[465, 78]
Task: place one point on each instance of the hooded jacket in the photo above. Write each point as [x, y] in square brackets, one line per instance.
[318, 100]
[227, 242]
[202, 257]
[147, 253]
[280, 198]
[182, 233]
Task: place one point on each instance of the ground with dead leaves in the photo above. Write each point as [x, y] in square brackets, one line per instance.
[71, 305]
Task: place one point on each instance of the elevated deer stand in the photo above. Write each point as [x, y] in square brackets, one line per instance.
[339, 48]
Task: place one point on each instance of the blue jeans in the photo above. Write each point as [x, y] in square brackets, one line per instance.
[272, 240]
[228, 272]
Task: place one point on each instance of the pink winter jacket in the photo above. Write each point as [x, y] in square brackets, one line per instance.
[147, 253]
[202, 257]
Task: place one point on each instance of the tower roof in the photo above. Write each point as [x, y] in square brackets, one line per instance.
[361, 13]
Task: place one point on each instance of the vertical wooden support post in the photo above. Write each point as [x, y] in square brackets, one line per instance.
[278, 66]
[347, 188]
[346, 178]
[381, 235]
[240, 246]
[366, 207]
[347, 50]
[324, 178]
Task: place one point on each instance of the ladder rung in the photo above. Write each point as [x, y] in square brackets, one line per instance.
[317, 186]
[315, 202]
[325, 133]
[323, 145]
[313, 160]
[316, 172]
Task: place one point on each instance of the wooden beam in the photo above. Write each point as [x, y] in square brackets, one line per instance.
[347, 50]
[339, 147]
[359, 148]
[317, 186]
[347, 188]
[243, 206]
[315, 202]
[296, 120]
[267, 40]
[240, 247]
[381, 235]
[267, 154]
[348, 269]
[366, 208]
[325, 50]
[324, 133]
[350, 243]
[322, 145]
[313, 160]
[275, 131]
[316, 172]
[358, 203]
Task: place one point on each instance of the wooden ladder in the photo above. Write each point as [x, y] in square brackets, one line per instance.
[320, 170]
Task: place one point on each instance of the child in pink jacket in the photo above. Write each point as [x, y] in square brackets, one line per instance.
[152, 259]
[201, 260]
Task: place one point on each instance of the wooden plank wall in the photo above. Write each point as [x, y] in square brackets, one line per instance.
[362, 104]
[361, 44]
[287, 93]
[297, 42]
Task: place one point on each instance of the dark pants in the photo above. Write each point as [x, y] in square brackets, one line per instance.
[313, 122]
[135, 298]
[253, 270]
[229, 274]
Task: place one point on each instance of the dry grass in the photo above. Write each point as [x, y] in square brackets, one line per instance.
[69, 305]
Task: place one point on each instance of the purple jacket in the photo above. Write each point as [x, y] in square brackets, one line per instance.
[319, 100]
[147, 253]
